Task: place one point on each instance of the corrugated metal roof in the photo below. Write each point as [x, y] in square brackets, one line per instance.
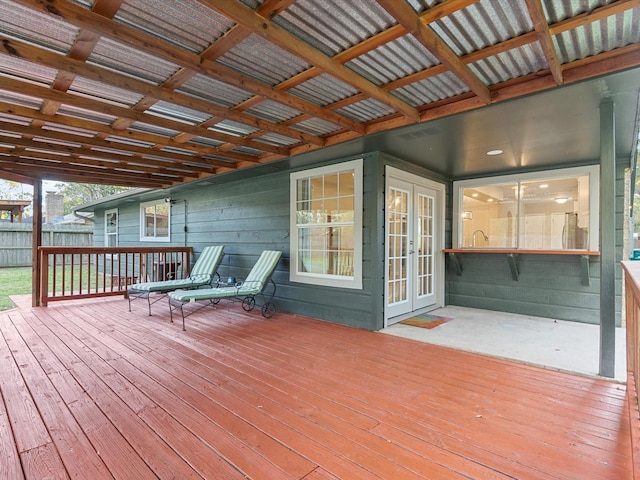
[84, 114]
[445, 85]
[206, 142]
[332, 26]
[211, 90]
[177, 113]
[17, 68]
[128, 60]
[511, 64]
[278, 140]
[558, 10]
[323, 90]
[19, 99]
[153, 129]
[317, 126]
[129, 141]
[482, 24]
[185, 23]
[49, 31]
[421, 5]
[274, 112]
[266, 62]
[16, 119]
[601, 36]
[102, 91]
[393, 60]
[229, 127]
[366, 110]
[246, 150]
[82, 132]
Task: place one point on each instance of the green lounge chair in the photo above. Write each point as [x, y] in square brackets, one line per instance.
[257, 283]
[203, 273]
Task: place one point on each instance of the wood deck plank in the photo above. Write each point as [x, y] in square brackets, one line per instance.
[9, 459]
[534, 449]
[260, 418]
[239, 396]
[227, 418]
[465, 415]
[215, 467]
[110, 446]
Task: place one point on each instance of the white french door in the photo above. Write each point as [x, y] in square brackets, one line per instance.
[414, 243]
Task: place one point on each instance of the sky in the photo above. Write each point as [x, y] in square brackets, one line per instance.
[23, 188]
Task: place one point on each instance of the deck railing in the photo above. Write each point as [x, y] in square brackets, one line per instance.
[632, 310]
[632, 318]
[87, 272]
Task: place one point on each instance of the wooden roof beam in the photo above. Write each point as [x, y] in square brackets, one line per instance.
[81, 50]
[106, 108]
[277, 35]
[541, 26]
[101, 143]
[84, 18]
[106, 158]
[45, 57]
[91, 126]
[36, 166]
[413, 23]
[519, 41]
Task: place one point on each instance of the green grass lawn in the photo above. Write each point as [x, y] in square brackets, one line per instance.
[17, 281]
[13, 281]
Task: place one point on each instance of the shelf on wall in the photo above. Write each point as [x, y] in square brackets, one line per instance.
[512, 258]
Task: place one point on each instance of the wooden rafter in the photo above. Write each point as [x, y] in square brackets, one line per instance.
[50, 59]
[86, 19]
[425, 35]
[89, 127]
[544, 35]
[277, 35]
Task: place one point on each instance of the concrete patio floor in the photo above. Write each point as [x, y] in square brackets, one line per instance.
[561, 345]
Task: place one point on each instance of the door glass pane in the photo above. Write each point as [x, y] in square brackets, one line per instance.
[398, 241]
[425, 246]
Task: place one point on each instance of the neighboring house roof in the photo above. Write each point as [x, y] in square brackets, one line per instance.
[153, 94]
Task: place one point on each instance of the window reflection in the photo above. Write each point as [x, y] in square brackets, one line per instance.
[531, 214]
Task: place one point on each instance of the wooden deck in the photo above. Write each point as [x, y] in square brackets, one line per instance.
[92, 391]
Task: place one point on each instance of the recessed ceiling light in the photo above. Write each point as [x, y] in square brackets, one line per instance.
[489, 199]
[495, 152]
[561, 200]
[474, 195]
[544, 185]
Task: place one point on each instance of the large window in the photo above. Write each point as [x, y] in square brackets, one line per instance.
[552, 210]
[155, 221]
[111, 228]
[326, 225]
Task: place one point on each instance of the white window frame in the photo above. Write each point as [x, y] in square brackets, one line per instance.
[329, 280]
[106, 227]
[592, 171]
[143, 236]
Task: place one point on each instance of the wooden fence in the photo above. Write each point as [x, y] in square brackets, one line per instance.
[87, 272]
[16, 240]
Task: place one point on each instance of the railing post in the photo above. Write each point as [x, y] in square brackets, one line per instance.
[43, 279]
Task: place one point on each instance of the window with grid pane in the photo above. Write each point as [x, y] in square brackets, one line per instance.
[326, 225]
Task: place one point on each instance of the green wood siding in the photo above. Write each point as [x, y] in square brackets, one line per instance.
[249, 215]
